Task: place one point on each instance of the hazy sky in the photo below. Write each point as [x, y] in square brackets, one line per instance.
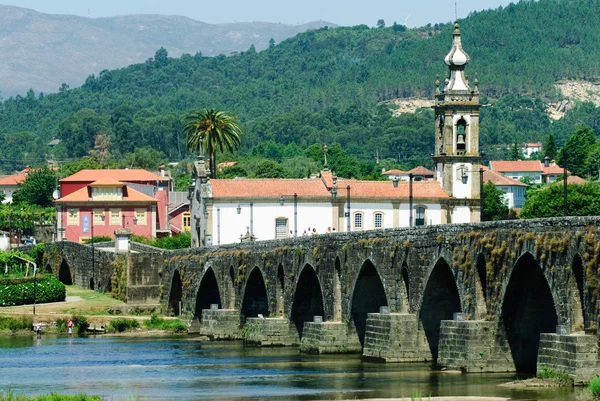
[343, 12]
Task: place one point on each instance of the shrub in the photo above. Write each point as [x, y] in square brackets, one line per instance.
[21, 291]
[99, 238]
[80, 323]
[122, 324]
[14, 324]
[61, 325]
[158, 323]
[595, 387]
[548, 373]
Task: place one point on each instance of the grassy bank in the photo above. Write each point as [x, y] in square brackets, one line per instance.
[9, 396]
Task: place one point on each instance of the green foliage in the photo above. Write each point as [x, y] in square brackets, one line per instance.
[99, 238]
[9, 396]
[548, 373]
[47, 289]
[37, 188]
[575, 150]
[268, 169]
[583, 200]
[16, 323]
[84, 163]
[121, 324]
[179, 241]
[594, 387]
[158, 323]
[146, 158]
[37, 253]
[80, 323]
[549, 148]
[233, 172]
[494, 203]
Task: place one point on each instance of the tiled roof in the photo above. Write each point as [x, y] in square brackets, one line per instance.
[421, 171]
[83, 195]
[107, 182]
[327, 177]
[13, 180]
[553, 169]
[573, 179]
[386, 189]
[267, 188]
[533, 145]
[503, 166]
[499, 179]
[123, 175]
[394, 172]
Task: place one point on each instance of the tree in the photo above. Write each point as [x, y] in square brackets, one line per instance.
[85, 163]
[592, 161]
[101, 149]
[515, 151]
[271, 43]
[268, 169]
[494, 203]
[210, 130]
[37, 188]
[575, 151]
[380, 23]
[146, 158]
[583, 200]
[549, 148]
[233, 172]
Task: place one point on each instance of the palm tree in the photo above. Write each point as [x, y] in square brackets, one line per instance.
[210, 130]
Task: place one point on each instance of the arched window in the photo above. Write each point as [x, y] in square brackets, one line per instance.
[420, 216]
[461, 135]
[378, 220]
[358, 221]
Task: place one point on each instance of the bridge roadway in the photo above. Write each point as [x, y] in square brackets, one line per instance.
[482, 297]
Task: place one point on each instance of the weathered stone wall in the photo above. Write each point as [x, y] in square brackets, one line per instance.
[575, 354]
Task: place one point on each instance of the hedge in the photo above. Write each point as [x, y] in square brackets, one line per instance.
[20, 291]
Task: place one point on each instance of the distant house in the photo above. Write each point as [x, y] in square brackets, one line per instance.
[518, 169]
[395, 174]
[9, 184]
[529, 148]
[552, 173]
[419, 174]
[514, 191]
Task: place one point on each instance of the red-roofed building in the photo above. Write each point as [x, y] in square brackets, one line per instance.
[553, 172]
[529, 169]
[514, 191]
[98, 202]
[529, 148]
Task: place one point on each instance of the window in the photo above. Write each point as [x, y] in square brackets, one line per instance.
[378, 220]
[420, 221]
[73, 217]
[140, 217]
[187, 221]
[115, 217]
[107, 193]
[358, 221]
[99, 217]
[281, 228]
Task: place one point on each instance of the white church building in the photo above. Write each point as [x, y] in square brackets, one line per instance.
[232, 210]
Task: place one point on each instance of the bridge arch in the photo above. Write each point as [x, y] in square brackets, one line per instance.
[405, 288]
[280, 290]
[175, 295]
[337, 290]
[48, 268]
[64, 273]
[528, 309]
[308, 298]
[368, 295]
[231, 287]
[208, 293]
[440, 300]
[255, 301]
[579, 318]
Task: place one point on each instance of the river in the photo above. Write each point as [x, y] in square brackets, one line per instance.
[178, 368]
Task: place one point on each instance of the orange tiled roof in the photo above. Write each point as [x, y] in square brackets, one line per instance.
[327, 177]
[107, 182]
[421, 171]
[533, 145]
[394, 172]
[498, 179]
[553, 169]
[386, 189]
[14, 179]
[83, 195]
[122, 175]
[503, 166]
[573, 179]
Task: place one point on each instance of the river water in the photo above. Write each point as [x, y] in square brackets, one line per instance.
[180, 368]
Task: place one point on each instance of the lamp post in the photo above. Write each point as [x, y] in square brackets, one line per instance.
[465, 179]
[348, 226]
[93, 283]
[282, 201]
[239, 211]
[218, 226]
[565, 196]
[410, 199]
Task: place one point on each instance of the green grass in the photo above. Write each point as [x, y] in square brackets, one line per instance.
[548, 373]
[595, 387]
[158, 323]
[9, 396]
[94, 303]
[16, 323]
[121, 324]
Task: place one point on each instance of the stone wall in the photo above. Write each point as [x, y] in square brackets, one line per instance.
[575, 354]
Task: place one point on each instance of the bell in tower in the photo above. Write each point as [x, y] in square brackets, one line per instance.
[460, 136]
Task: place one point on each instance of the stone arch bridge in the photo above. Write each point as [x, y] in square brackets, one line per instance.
[484, 297]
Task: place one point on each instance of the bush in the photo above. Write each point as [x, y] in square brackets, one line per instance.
[37, 253]
[21, 291]
[61, 325]
[595, 387]
[122, 324]
[548, 373]
[179, 241]
[9, 396]
[80, 323]
[14, 324]
[99, 238]
[158, 323]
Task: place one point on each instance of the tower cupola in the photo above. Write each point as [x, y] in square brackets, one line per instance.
[456, 60]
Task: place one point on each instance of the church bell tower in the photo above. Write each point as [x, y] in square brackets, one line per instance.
[457, 159]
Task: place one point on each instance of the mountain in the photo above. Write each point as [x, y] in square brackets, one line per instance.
[42, 51]
[328, 86]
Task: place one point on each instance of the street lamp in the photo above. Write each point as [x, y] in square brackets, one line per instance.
[282, 201]
[93, 283]
[239, 211]
[218, 226]
[348, 226]
[565, 196]
[465, 179]
[410, 199]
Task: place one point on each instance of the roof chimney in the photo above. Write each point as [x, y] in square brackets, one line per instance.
[161, 170]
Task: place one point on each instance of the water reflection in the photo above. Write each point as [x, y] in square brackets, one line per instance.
[179, 368]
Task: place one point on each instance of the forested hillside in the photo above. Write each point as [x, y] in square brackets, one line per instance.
[324, 86]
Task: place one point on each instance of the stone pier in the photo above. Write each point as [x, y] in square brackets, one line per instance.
[328, 338]
[467, 346]
[220, 324]
[392, 337]
[575, 354]
[269, 332]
